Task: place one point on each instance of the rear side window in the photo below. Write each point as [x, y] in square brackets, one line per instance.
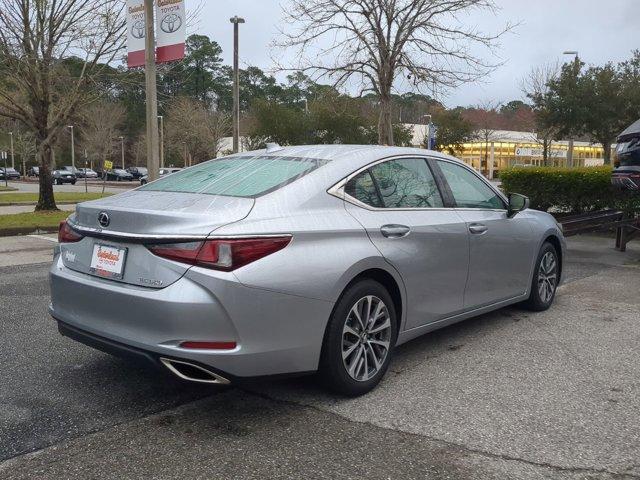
[237, 176]
[406, 183]
[362, 188]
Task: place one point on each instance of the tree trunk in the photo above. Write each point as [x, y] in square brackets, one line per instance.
[46, 200]
[385, 124]
[607, 152]
[545, 152]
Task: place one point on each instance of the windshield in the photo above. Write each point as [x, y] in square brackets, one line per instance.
[237, 176]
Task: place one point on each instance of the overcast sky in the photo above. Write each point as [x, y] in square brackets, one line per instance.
[600, 30]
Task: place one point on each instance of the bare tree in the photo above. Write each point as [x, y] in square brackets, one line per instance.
[101, 128]
[50, 50]
[375, 42]
[25, 146]
[486, 121]
[191, 125]
[536, 87]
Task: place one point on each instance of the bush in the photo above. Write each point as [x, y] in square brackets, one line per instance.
[567, 190]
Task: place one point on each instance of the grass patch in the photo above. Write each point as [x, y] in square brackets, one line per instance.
[76, 197]
[32, 220]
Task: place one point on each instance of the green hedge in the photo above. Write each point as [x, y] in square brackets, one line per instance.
[569, 190]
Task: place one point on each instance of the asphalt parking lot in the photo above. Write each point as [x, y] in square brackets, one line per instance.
[509, 395]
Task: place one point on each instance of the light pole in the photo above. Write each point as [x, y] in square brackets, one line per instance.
[236, 85]
[6, 175]
[73, 150]
[13, 158]
[570, 146]
[153, 163]
[122, 149]
[161, 118]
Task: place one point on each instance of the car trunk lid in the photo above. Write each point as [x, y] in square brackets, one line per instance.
[138, 218]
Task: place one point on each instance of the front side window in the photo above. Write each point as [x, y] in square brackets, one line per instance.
[468, 190]
[237, 176]
[406, 183]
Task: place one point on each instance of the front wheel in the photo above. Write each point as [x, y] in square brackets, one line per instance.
[359, 339]
[545, 279]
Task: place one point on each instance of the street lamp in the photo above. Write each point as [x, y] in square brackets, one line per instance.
[73, 149]
[122, 149]
[576, 66]
[161, 118]
[236, 85]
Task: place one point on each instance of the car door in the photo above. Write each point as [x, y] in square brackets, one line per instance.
[501, 248]
[400, 205]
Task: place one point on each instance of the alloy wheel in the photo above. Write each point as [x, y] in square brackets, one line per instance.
[366, 338]
[547, 277]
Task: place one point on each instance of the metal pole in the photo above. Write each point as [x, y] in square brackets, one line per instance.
[6, 175]
[13, 158]
[73, 150]
[86, 161]
[161, 117]
[153, 162]
[122, 149]
[236, 84]
[576, 67]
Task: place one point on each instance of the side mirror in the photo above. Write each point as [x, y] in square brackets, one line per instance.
[517, 203]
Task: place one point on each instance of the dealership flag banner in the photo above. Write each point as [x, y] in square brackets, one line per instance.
[135, 33]
[171, 30]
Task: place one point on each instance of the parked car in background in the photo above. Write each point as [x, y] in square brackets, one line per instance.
[9, 174]
[137, 172]
[163, 172]
[33, 172]
[119, 175]
[86, 173]
[626, 175]
[63, 176]
[296, 260]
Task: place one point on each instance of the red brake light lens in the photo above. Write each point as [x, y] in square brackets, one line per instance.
[222, 254]
[66, 234]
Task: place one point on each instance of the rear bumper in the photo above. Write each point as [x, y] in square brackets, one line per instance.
[275, 333]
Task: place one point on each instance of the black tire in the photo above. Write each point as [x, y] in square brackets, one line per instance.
[540, 300]
[333, 369]
[73, 183]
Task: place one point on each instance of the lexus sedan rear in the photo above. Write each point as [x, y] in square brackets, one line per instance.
[297, 260]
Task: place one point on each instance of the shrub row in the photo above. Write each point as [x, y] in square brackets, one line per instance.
[566, 190]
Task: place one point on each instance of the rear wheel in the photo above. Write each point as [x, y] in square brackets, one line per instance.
[545, 279]
[359, 340]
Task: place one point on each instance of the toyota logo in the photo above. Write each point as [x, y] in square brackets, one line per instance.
[171, 23]
[138, 29]
[103, 219]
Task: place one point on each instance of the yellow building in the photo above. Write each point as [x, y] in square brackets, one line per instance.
[506, 148]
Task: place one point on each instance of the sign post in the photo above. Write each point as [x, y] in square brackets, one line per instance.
[6, 175]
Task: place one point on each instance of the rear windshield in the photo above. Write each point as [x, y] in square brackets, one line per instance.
[237, 176]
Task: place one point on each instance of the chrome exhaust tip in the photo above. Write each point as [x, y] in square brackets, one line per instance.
[193, 373]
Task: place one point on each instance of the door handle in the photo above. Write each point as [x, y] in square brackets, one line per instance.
[395, 231]
[478, 228]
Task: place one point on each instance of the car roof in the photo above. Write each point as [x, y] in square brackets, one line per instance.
[345, 152]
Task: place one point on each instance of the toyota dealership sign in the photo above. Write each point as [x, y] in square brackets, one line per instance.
[170, 31]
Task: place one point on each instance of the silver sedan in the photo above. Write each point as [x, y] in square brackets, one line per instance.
[297, 260]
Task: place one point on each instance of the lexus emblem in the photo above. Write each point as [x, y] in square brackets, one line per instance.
[103, 219]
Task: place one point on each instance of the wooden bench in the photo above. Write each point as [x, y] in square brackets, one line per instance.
[627, 227]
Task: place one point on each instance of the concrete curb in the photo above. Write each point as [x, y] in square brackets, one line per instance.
[27, 204]
[14, 232]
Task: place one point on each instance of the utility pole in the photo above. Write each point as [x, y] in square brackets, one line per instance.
[153, 163]
[73, 150]
[13, 158]
[161, 118]
[236, 85]
[122, 149]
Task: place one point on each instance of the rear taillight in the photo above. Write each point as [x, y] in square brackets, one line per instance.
[66, 234]
[221, 254]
